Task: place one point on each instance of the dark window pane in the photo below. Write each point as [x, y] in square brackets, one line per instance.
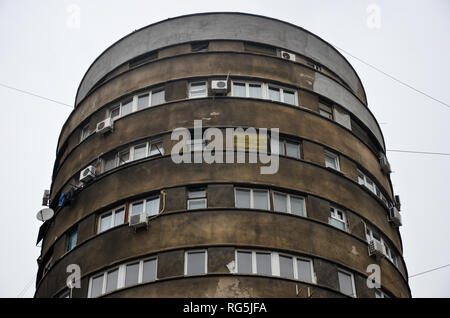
[149, 270]
[244, 262]
[111, 280]
[97, 286]
[132, 274]
[263, 264]
[196, 263]
[286, 268]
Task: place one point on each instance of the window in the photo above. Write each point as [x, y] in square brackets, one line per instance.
[305, 270]
[150, 206]
[195, 263]
[111, 219]
[287, 148]
[85, 132]
[202, 46]
[346, 283]
[326, 111]
[197, 199]
[158, 97]
[263, 263]
[380, 294]
[72, 237]
[114, 112]
[272, 263]
[143, 101]
[252, 199]
[136, 152]
[126, 107]
[364, 180]
[244, 262]
[331, 160]
[133, 273]
[286, 267]
[260, 48]
[266, 91]
[144, 58]
[198, 89]
[337, 219]
[387, 249]
[289, 204]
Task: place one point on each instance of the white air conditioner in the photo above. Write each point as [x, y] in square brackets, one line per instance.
[104, 126]
[288, 56]
[394, 216]
[219, 86]
[87, 174]
[138, 220]
[375, 248]
[384, 163]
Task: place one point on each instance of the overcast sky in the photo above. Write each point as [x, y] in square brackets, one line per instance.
[44, 51]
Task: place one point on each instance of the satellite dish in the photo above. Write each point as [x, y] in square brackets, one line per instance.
[45, 214]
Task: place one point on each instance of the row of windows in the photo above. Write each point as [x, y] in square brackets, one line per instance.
[128, 106]
[132, 153]
[196, 263]
[369, 184]
[245, 198]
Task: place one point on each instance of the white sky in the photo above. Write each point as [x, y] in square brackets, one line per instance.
[40, 52]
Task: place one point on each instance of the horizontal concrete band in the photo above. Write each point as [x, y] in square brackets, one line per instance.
[203, 229]
[225, 285]
[218, 113]
[144, 177]
[237, 64]
[220, 26]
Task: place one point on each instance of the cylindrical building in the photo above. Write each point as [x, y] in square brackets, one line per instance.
[140, 224]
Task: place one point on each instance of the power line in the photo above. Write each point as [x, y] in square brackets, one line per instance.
[392, 77]
[25, 289]
[420, 152]
[35, 95]
[428, 271]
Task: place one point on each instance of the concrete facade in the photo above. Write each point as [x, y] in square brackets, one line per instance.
[245, 49]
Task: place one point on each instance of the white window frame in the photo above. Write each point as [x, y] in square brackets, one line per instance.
[121, 275]
[144, 208]
[380, 294]
[113, 218]
[265, 90]
[333, 156]
[352, 281]
[197, 82]
[334, 215]
[283, 142]
[204, 198]
[288, 203]
[252, 203]
[186, 253]
[367, 180]
[275, 263]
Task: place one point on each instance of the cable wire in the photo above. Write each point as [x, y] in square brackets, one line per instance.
[392, 77]
[420, 152]
[35, 95]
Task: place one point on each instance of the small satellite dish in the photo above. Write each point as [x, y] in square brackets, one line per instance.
[45, 214]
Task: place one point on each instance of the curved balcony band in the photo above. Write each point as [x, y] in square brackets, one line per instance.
[220, 26]
[233, 63]
[297, 122]
[244, 229]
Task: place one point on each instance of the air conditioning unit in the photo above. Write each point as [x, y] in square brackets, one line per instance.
[394, 216]
[384, 163]
[219, 86]
[397, 202]
[375, 248]
[87, 174]
[104, 126]
[288, 56]
[138, 220]
[46, 198]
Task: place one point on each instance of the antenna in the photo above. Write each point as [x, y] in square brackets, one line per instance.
[45, 214]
